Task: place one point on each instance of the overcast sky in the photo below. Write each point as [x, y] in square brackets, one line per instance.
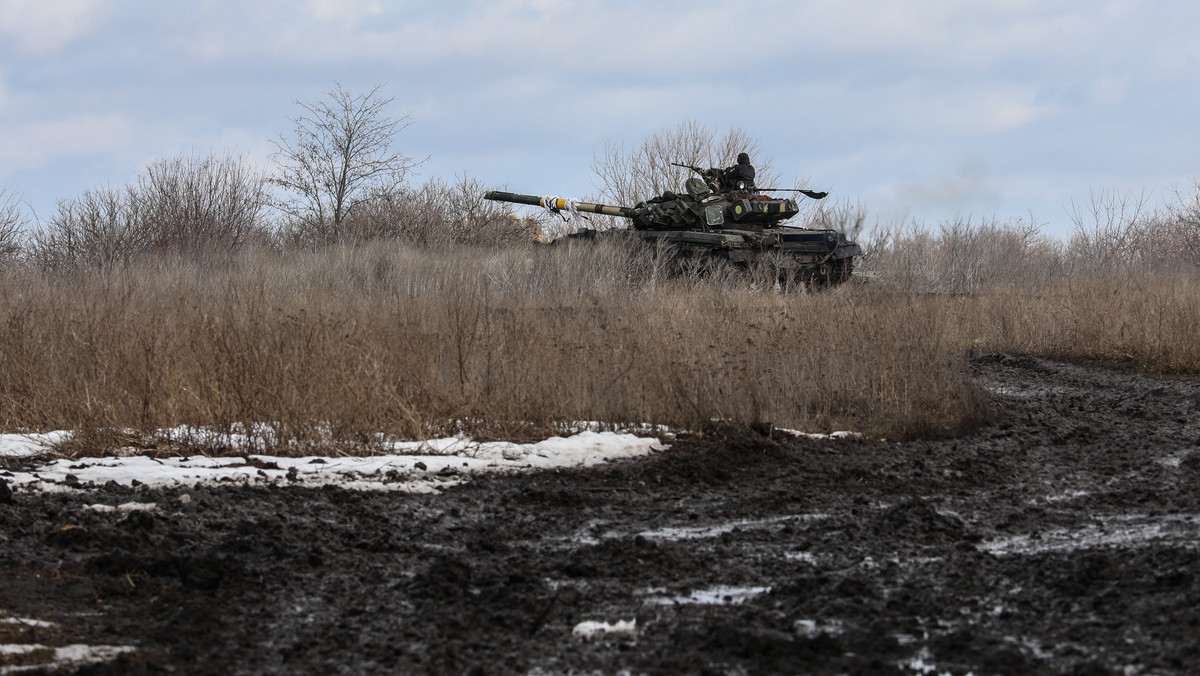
[920, 109]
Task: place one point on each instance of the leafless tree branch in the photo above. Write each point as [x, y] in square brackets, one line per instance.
[338, 155]
[625, 177]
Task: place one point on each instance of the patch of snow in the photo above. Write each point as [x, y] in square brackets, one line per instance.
[719, 595]
[591, 629]
[702, 532]
[1032, 646]
[922, 663]
[26, 445]
[64, 657]
[836, 436]
[423, 466]
[19, 649]
[1066, 496]
[813, 629]
[27, 622]
[803, 557]
[1028, 392]
[1124, 531]
[1174, 461]
[124, 508]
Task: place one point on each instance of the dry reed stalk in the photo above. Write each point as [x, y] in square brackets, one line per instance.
[337, 351]
[1150, 322]
[341, 349]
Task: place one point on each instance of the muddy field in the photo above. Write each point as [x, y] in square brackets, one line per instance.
[1063, 538]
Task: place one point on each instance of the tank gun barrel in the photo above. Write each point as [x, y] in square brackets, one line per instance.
[815, 194]
[558, 204]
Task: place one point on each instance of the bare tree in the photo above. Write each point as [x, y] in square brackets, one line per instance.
[12, 225]
[340, 153]
[626, 177]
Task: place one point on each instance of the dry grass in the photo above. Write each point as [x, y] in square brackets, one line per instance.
[340, 349]
[336, 347]
[1146, 321]
[1124, 289]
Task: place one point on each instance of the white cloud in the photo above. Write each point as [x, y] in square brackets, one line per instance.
[981, 109]
[36, 143]
[860, 93]
[1108, 90]
[41, 28]
[953, 32]
[345, 11]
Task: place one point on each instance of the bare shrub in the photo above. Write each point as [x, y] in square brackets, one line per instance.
[12, 225]
[436, 214]
[849, 217]
[964, 256]
[1175, 239]
[1119, 234]
[99, 228]
[182, 205]
[192, 203]
[1108, 231]
[1116, 234]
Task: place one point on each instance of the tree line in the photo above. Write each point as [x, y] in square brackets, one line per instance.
[337, 178]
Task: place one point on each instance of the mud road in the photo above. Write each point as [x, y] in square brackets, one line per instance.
[1063, 538]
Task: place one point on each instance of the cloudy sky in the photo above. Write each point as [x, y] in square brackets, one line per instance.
[920, 110]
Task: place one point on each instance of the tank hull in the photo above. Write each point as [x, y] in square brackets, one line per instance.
[823, 257]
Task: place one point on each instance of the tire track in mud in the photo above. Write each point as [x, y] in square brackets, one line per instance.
[1062, 538]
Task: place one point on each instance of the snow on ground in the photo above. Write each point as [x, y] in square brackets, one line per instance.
[44, 659]
[25, 445]
[590, 629]
[417, 466]
[720, 595]
[414, 466]
[820, 437]
[1123, 531]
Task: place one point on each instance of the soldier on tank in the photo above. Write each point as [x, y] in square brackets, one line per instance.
[741, 175]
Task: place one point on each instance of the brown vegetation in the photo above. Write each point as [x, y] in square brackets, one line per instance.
[342, 348]
[12, 225]
[382, 311]
[183, 205]
[336, 347]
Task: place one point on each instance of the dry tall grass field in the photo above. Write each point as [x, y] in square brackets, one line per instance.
[342, 349]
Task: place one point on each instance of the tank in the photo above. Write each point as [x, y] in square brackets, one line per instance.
[714, 222]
